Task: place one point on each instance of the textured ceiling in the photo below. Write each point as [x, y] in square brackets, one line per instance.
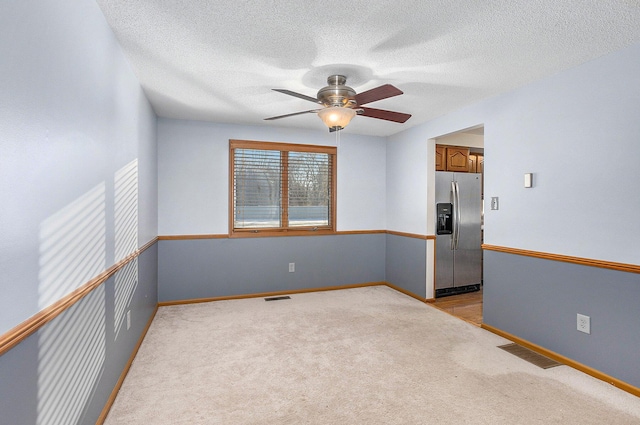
[218, 60]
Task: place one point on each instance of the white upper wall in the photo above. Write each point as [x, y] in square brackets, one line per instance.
[407, 176]
[578, 132]
[193, 174]
[77, 158]
[462, 139]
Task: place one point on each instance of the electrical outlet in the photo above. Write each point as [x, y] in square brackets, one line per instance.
[292, 267]
[584, 323]
[128, 319]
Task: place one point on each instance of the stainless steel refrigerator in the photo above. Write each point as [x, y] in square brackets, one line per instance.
[458, 232]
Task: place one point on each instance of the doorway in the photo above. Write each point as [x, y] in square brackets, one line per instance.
[466, 306]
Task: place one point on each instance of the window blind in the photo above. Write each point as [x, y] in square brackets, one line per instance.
[282, 189]
[257, 188]
[309, 176]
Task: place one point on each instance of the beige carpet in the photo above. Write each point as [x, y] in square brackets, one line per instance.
[358, 356]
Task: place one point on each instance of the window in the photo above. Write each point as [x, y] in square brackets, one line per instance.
[279, 188]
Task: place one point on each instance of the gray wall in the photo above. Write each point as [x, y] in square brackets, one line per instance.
[65, 372]
[538, 299]
[406, 263]
[204, 268]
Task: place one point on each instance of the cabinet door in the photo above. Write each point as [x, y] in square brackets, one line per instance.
[458, 159]
[441, 159]
[473, 163]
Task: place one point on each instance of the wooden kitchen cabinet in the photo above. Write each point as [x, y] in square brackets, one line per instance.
[441, 158]
[458, 159]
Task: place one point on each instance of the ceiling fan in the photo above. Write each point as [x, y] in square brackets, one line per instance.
[341, 103]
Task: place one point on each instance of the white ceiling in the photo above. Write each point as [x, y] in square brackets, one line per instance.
[218, 60]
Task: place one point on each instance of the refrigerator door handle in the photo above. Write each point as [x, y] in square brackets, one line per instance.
[453, 213]
[457, 215]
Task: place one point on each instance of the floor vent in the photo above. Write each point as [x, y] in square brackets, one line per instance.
[530, 356]
[286, 297]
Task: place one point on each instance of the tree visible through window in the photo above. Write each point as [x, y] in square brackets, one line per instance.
[281, 188]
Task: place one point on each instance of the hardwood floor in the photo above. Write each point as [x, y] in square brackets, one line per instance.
[467, 307]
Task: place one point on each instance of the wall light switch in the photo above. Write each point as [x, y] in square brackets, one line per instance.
[494, 203]
[528, 180]
[292, 267]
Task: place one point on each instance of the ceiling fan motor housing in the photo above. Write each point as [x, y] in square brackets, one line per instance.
[337, 93]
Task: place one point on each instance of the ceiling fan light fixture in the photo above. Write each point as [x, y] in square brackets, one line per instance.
[336, 117]
[341, 103]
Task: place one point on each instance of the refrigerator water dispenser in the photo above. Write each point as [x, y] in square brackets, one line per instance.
[444, 212]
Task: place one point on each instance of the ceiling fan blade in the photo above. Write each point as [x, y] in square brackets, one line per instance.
[377, 93]
[291, 115]
[298, 95]
[385, 115]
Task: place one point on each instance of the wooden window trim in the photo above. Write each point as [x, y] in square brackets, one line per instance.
[282, 231]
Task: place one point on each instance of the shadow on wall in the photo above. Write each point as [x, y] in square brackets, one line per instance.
[72, 351]
[72, 246]
[73, 250]
[126, 238]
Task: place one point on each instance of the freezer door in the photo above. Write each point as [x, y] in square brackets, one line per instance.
[444, 262]
[444, 251]
[468, 255]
